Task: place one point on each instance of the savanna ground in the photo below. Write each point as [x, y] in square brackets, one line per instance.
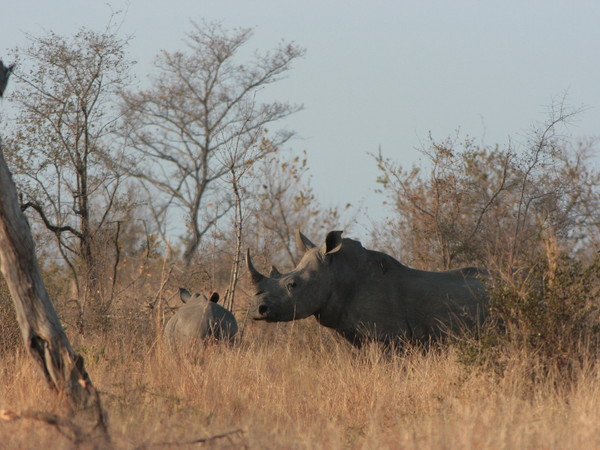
[297, 385]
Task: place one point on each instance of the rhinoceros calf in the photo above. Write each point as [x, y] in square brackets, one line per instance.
[198, 319]
[365, 294]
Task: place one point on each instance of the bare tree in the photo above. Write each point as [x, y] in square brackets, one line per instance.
[41, 329]
[202, 102]
[58, 149]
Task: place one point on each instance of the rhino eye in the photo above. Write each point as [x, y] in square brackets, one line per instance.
[291, 285]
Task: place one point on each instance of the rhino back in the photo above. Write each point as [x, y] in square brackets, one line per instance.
[220, 321]
[385, 299]
[189, 323]
[440, 301]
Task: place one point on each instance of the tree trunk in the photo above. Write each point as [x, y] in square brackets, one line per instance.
[237, 256]
[40, 327]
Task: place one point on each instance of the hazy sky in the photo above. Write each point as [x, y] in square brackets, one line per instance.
[379, 73]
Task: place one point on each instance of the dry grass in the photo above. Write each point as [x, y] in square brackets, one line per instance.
[294, 386]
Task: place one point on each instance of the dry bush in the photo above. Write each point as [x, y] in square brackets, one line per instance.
[479, 205]
[551, 309]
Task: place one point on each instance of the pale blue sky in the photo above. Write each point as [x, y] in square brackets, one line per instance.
[379, 73]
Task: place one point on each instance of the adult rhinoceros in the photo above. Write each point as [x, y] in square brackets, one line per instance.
[365, 294]
[199, 318]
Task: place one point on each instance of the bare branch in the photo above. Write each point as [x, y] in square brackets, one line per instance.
[55, 229]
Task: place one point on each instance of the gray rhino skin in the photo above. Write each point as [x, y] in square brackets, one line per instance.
[365, 294]
[198, 319]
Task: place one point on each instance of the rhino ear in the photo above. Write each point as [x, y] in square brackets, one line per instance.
[184, 295]
[333, 242]
[303, 242]
[274, 272]
[214, 297]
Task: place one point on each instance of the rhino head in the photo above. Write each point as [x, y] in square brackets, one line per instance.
[197, 319]
[185, 296]
[281, 297]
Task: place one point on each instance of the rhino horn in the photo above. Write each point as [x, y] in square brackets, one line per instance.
[303, 242]
[274, 272]
[257, 277]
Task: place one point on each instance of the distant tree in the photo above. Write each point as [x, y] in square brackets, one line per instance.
[201, 103]
[286, 203]
[481, 205]
[59, 148]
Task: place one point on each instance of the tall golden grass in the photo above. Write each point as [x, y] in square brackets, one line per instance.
[297, 386]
